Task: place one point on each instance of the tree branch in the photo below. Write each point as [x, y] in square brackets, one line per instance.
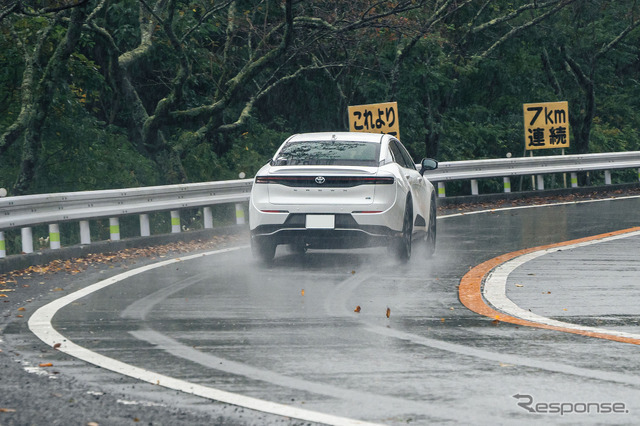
[523, 27]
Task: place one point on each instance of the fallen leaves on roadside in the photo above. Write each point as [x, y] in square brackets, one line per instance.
[357, 309]
[80, 264]
[57, 345]
[21, 309]
[45, 364]
[7, 410]
[388, 312]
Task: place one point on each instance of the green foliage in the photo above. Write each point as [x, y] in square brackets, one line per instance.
[81, 154]
[454, 103]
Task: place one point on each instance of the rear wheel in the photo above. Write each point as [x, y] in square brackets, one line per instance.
[431, 231]
[403, 244]
[263, 249]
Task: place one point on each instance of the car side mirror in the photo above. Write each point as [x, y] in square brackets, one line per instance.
[280, 161]
[428, 164]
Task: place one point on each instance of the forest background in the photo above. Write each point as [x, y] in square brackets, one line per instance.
[98, 94]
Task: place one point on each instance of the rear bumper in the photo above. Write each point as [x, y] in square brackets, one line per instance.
[347, 233]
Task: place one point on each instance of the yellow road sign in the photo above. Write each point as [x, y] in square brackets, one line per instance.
[375, 118]
[546, 125]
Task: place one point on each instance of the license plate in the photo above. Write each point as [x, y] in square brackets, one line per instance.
[320, 221]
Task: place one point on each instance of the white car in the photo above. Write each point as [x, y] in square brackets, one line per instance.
[342, 190]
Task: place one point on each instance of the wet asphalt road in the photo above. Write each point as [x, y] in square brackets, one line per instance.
[289, 333]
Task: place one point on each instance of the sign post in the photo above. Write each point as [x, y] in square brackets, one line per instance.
[375, 118]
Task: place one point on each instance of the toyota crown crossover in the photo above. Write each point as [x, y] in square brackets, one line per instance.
[342, 190]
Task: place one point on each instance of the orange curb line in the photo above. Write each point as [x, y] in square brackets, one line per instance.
[470, 289]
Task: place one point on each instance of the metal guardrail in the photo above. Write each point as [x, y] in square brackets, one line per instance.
[30, 210]
[26, 211]
[538, 166]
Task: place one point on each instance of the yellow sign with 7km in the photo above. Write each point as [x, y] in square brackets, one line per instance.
[546, 125]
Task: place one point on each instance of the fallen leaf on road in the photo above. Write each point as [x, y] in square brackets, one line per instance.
[357, 309]
[45, 364]
[57, 345]
[388, 312]
[7, 410]
[21, 309]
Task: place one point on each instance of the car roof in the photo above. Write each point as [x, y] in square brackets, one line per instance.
[339, 136]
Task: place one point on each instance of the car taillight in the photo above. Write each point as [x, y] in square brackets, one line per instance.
[327, 181]
[383, 180]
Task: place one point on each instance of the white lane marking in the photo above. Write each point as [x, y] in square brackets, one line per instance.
[40, 325]
[337, 305]
[388, 404]
[495, 289]
[566, 203]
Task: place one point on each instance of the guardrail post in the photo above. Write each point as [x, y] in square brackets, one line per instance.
[3, 247]
[507, 184]
[175, 221]
[607, 177]
[54, 236]
[474, 187]
[208, 217]
[85, 232]
[441, 192]
[114, 228]
[27, 240]
[540, 179]
[145, 229]
[239, 214]
[574, 180]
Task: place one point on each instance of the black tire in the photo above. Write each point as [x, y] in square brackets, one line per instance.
[263, 250]
[403, 243]
[432, 229]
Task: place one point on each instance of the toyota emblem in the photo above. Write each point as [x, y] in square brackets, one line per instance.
[320, 180]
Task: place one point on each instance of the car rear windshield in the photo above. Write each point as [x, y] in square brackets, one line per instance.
[320, 153]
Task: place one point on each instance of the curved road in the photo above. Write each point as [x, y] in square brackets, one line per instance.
[352, 336]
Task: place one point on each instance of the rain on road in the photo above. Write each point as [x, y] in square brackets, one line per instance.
[290, 334]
